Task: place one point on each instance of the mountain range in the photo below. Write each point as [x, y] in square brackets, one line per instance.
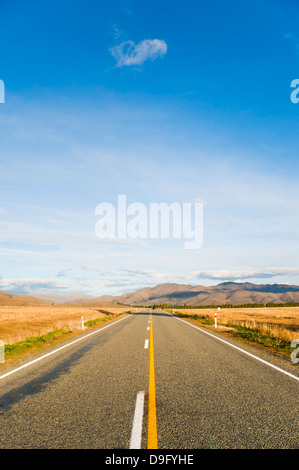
[234, 293]
[225, 293]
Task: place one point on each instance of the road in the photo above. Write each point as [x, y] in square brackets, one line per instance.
[150, 381]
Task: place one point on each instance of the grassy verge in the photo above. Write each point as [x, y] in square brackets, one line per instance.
[255, 336]
[250, 335]
[96, 321]
[34, 342]
[199, 318]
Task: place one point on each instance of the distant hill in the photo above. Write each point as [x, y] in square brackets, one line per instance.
[64, 298]
[222, 294]
[19, 300]
[78, 299]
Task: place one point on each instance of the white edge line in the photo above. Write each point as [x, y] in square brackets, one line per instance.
[135, 442]
[239, 349]
[59, 349]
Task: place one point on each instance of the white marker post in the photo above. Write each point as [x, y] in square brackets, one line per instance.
[2, 352]
[215, 320]
[82, 323]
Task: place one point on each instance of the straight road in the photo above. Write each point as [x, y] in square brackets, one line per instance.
[150, 381]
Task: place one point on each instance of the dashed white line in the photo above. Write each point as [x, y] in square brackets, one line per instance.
[146, 344]
[136, 434]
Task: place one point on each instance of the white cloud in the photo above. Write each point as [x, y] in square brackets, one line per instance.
[225, 275]
[143, 272]
[94, 269]
[4, 211]
[128, 53]
[46, 285]
[27, 286]
[62, 273]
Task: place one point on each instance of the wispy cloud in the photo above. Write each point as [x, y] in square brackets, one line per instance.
[225, 275]
[128, 53]
[293, 38]
[93, 269]
[142, 272]
[26, 286]
[62, 273]
[4, 211]
[117, 33]
[46, 285]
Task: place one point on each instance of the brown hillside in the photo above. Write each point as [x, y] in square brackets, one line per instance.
[19, 300]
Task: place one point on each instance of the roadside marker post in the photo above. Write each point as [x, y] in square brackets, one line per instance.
[82, 323]
[2, 352]
[215, 320]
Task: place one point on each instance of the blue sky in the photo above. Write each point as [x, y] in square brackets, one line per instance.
[160, 101]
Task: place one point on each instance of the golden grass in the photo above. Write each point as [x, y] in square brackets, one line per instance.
[279, 322]
[19, 323]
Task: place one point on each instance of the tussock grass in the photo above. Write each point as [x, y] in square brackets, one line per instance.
[96, 321]
[34, 342]
[37, 342]
[19, 323]
[255, 335]
[273, 328]
[204, 319]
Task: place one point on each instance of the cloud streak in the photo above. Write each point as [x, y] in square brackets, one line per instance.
[225, 275]
[27, 286]
[128, 53]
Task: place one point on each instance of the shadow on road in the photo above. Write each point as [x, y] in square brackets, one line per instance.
[156, 313]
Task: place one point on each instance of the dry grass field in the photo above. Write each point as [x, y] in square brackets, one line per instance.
[18, 323]
[279, 322]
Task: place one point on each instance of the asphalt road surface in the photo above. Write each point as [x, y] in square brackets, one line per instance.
[150, 381]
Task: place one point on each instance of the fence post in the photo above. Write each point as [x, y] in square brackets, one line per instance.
[2, 348]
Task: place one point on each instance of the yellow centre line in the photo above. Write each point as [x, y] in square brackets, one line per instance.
[152, 441]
